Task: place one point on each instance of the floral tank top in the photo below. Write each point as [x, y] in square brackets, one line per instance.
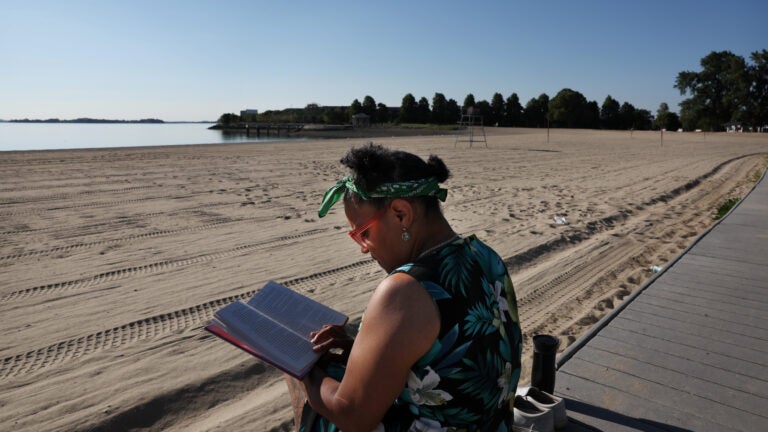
[467, 379]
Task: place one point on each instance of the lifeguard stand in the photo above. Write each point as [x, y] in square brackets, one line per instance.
[468, 123]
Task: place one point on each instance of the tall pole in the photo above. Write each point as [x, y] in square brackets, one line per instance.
[547, 130]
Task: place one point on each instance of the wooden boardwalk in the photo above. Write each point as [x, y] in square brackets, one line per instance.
[689, 350]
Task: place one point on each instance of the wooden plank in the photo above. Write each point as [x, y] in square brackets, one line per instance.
[705, 316]
[736, 297]
[755, 360]
[745, 289]
[735, 239]
[759, 348]
[599, 418]
[682, 403]
[745, 219]
[724, 304]
[707, 275]
[687, 361]
[736, 269]
[660, 342]
[733, 268]
[689, 393]
[729, 255]
[638, 398]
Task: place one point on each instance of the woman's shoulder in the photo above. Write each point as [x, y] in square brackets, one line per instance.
[397, 280]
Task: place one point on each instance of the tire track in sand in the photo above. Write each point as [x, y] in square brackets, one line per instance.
[599, 280]
[11, 201]
[122, 273]
[154, 326]
[128, 239]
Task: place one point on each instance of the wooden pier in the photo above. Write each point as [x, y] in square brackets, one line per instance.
[259, 129]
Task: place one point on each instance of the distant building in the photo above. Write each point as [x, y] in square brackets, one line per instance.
[361, 120]
[249, 114]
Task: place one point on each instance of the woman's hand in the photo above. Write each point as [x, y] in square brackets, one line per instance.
[331, 336]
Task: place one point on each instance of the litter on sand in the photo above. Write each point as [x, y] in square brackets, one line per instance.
[560, 220]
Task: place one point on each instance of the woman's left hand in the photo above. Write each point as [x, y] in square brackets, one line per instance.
[331, 336]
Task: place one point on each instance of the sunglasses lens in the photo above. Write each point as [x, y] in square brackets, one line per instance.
[357, 233]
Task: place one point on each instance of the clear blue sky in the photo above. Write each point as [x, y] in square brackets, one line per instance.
[195, 59]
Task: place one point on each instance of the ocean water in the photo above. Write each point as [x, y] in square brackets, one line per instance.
[53, 136]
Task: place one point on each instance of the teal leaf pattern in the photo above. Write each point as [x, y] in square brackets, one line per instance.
[456, 270]
[480, 320]
[436, 291]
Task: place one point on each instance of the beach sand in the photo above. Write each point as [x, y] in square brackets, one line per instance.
[112, 260]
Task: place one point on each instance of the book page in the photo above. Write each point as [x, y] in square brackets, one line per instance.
[302, 314]
[278, 344]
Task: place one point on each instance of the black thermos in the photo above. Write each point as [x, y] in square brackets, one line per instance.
[543, 369]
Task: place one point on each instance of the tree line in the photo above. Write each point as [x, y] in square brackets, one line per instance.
[727, 90]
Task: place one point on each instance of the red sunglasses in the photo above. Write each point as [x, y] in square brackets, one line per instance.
[357, 233]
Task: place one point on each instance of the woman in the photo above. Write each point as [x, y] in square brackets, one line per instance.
[440, 336]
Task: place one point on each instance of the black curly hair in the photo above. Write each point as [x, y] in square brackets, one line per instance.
[373, 165]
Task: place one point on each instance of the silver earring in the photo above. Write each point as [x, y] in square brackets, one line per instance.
[405, 235]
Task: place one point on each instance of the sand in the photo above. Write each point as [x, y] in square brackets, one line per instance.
[112, 260]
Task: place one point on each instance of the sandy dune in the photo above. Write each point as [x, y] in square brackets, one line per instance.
[112, 260]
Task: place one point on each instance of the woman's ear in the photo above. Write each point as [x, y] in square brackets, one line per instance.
[403, 210]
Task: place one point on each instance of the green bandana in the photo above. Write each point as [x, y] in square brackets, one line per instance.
[410, 188]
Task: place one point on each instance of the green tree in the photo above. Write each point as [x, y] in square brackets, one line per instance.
[513, 111]
[469, 101]
[643, 119]
[568, 109]
[666, 119]
[591, 116]
[609, 113]
[497, 110]
[228, 119]
[628, 116]
[483, 108]
[757, 110]
[454, 111]
[719, 92]
[439, 109]
[312, 113]
[355, 108]
[536, 111]
[369, 108]
[382, 113]
[422, 108]
[408, 110]
[336, 116]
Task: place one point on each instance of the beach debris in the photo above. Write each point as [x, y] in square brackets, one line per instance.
[561, 220]
[656, 269]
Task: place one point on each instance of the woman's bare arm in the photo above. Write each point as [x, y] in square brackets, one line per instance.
[401, 324]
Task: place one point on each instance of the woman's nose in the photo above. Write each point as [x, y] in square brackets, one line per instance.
[364, 249]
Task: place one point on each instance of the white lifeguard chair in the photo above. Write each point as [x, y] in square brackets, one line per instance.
[468, 123]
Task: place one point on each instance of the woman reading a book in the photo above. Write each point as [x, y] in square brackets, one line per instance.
[440, 343]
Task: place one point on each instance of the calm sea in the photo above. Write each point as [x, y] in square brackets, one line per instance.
[53, 136]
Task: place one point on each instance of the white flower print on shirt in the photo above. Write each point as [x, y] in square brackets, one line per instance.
[423, 392]
[501, 298]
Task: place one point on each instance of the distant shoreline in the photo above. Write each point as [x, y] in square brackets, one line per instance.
[84, 120]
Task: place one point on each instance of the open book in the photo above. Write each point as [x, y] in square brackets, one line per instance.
[274, 325]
